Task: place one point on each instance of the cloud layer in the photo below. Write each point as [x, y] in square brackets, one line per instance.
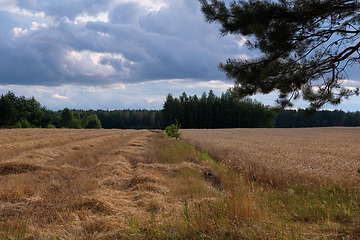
[102, 42]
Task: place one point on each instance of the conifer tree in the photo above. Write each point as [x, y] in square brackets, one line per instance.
[305, 47]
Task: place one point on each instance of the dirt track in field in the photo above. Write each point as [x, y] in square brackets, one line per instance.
[281, 156]
[76, 180]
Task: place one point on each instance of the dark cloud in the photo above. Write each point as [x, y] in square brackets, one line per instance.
[135, 45]
[6, 25]
[126, 13]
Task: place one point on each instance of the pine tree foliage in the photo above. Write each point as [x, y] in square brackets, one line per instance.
[305, 46]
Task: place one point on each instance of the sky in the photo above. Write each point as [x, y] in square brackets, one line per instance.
[117, 54]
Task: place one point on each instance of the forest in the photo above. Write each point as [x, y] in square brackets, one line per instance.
[323, 118]
[208, 111]
[21, 112]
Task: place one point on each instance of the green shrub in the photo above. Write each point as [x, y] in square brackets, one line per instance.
[173, 130]
[23, 124]
[50, 126]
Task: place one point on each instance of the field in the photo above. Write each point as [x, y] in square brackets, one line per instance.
[70, 179]
[137, 184]
[318, 155]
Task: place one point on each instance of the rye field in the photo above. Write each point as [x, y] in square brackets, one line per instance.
[211, 184]
[282, 156]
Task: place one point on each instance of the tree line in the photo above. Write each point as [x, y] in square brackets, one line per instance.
[130, 119]
[210, 111]
[21, 112]
[228, 111]
[299, 119]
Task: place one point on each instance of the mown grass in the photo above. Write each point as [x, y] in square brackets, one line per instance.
[212, 198]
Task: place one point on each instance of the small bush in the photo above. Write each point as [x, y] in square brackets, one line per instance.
[23, 124]
[173, 130]
[52, 126]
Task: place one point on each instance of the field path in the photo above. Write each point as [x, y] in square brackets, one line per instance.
[286, 155]
[76, 178]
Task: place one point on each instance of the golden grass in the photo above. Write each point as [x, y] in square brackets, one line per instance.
[286, 156]
[67, 185]
[295, 202]
[117, 184]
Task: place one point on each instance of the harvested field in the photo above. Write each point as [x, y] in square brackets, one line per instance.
[101, 184]
[128, 184]
[282, 156]
[75, 183]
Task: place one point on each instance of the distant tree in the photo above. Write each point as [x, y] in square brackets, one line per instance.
[93, 122]
[66, 117]
[78, 120]
[169, 112]
[20, 111]
[9, 110]
[34, 111]
[306, 46]
[203, 110]
[51, 118]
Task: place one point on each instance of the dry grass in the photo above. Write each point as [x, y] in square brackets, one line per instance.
[286, 156]
[127, 184]
[304, 181]
[116, 185]
[68, 183]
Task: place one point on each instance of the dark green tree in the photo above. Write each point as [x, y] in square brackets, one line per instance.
[92, 121]
[20, 111]
[66, 117]
[34, 111]
[9, 110]
[305, 47]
